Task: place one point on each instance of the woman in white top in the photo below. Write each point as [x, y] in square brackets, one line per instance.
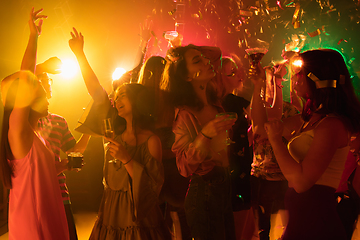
[315, 157]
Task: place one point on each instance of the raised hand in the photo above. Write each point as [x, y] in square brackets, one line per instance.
[76, 42]
[35, 28]
[52, 65]
[145, 30]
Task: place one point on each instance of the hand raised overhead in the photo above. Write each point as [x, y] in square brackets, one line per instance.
[35, 28]
[145, 30]
[76, 42]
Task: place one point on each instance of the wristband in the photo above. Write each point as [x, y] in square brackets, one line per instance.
[127, 162]
[205, 135]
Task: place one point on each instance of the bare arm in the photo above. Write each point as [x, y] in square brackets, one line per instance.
[21, 133]
[277, 107]
[145, 36]
[81, 144]
[257, 106]
[76, 44]
[29, 59]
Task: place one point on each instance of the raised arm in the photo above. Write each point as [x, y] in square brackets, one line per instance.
[145, 36]
[29, 59]
[21, 133]
[277, 106]
[257, 106]
[92, 83]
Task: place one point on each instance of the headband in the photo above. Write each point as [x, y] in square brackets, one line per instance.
[325, 83]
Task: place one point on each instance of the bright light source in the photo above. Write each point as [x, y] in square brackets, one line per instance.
[118, 73]
[298, 63]
[69, 68]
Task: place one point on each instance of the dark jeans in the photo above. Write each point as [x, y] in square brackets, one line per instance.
[267, 197]
[71, 222]
[208, 206]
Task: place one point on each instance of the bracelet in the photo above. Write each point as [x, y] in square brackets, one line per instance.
[279, 85]
[205, 135]
[127, 162]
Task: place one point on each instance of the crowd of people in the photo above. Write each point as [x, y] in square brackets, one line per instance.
[186, 152]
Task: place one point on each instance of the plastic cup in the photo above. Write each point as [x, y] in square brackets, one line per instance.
[76, 160]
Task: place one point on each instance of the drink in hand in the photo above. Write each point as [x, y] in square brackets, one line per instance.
[109, 133]
[108, 129]
[256, 54]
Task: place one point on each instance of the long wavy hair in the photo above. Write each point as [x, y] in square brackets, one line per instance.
[328, 64]
[150, 76]
[175, 80]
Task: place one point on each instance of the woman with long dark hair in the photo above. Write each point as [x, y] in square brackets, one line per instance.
[200, 148]
[133, 171]
[173, 191]
[315, 157]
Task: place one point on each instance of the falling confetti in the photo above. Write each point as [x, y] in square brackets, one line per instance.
[296, 17]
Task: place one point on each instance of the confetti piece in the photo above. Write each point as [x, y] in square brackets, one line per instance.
[323, 30]
[246, 13]
[200, 16]
[292, 4]
[195, 15]
[273, 9]
[331, 10]
[351, 61]
[341, 41]
[172, 12]
[295, 20]
[279, 4]
[314, 33]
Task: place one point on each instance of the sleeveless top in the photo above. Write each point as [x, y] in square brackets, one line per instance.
[36, 210]
[300, 145]
[129, 207]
